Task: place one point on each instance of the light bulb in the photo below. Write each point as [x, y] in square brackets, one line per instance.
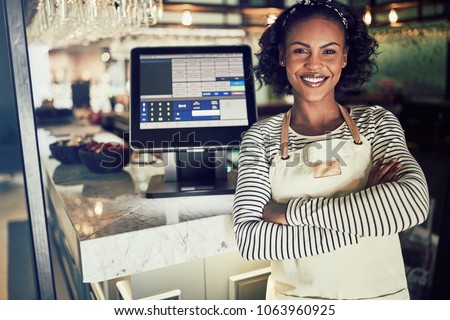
[271, 18]
[186, 19]
[393, 17]
[367, 18]
[105, 56]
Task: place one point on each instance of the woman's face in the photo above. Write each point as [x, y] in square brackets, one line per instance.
[314, 54]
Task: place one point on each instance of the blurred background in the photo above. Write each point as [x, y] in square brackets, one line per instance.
[79, 64]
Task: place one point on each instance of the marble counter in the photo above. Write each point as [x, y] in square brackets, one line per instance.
[112, 230]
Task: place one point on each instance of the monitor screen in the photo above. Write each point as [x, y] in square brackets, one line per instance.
[190, 97]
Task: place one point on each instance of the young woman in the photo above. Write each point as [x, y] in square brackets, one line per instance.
[324, 190]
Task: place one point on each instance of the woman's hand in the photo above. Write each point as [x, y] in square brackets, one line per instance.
[384, 173]
[275, 212]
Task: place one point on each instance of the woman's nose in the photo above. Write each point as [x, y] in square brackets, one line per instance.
[314, 62]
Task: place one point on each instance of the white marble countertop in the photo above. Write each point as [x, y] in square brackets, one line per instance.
[112, 230]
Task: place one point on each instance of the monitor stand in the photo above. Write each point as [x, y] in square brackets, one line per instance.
[192, 173]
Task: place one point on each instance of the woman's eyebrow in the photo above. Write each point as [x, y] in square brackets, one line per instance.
[308, 46]
[300, 43]
[329, 44]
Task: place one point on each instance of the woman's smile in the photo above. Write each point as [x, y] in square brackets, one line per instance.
[313, 80]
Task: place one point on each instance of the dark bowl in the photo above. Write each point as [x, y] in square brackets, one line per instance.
[67, 154]
[105, 160]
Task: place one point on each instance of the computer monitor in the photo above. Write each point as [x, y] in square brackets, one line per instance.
[192, 104]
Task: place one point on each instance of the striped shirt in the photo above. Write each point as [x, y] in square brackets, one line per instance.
[320, 225]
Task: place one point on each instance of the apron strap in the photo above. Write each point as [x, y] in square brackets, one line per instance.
[285, 134]
[285, 130]
[351, 125]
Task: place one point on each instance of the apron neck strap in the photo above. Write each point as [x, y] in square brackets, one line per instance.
[351, 125]
[287, 119]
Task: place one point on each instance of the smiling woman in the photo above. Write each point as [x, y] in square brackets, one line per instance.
[324, 189]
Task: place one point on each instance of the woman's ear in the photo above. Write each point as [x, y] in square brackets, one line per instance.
[281, 57]
[344, 58]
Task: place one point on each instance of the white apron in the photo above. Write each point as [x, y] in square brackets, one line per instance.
[371, 269]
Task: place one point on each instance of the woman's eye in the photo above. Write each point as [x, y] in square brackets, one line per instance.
[300, 50]
[329, 51]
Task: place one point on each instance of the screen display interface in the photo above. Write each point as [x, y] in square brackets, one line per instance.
[192, 90]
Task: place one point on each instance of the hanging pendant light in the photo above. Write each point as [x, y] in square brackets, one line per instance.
[271, 18]
[367, 18]
[186, 18]
[393, 17]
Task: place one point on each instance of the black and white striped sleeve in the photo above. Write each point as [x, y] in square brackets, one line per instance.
[380, 210]
[261, 240]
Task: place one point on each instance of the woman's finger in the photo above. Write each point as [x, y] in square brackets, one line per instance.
[377, 164]
[384, 170]
[392, 173]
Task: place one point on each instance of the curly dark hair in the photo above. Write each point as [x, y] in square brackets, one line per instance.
[362, 47]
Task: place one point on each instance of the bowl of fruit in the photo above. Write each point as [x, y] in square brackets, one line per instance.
[66, 151]
[106, 157]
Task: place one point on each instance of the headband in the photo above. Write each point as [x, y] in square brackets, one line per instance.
[325, 3]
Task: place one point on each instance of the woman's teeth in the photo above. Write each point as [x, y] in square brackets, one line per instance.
[314, 80]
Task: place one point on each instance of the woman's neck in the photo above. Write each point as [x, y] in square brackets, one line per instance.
[314, 118]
